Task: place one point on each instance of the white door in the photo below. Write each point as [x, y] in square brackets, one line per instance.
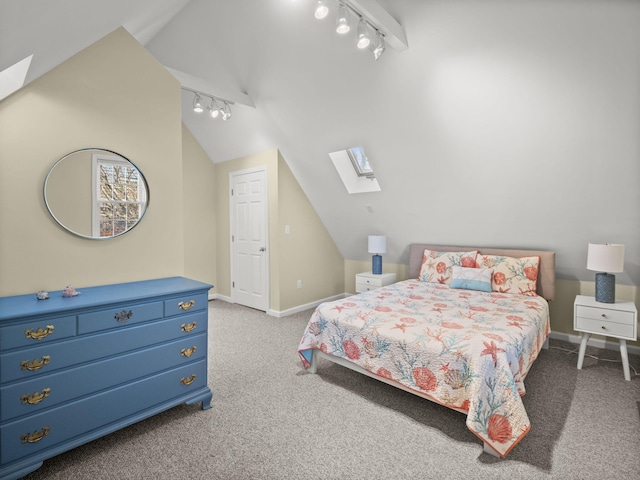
[249, 234]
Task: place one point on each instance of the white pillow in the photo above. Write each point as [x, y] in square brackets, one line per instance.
[471, 278]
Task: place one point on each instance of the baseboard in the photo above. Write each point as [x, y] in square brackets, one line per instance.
[302, 308]
[289, 311]
[217, 296]
[609, 344]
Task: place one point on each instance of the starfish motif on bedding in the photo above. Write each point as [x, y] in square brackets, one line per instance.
[492, 349]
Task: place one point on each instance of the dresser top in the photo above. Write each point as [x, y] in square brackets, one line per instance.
[21, 306]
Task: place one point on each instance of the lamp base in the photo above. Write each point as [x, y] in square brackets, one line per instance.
[376, 264]
[605, 288]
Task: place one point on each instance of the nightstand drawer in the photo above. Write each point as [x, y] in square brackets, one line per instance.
[365, 287]
[605, 327]
[368, 280]
[606, 315]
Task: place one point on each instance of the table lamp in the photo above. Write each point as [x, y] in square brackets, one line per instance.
[605, 258]
[377, 245]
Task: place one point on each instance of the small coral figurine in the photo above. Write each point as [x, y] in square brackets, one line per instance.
[42, 295]
[69, 291]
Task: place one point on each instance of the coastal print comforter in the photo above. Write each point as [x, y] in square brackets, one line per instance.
[464, 349]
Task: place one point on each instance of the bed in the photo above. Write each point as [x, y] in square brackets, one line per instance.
[463, 331]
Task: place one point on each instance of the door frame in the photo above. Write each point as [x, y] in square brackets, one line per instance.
[267, 273]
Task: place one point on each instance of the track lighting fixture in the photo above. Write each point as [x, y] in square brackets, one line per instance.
[365, 30]
[342, 22]
[322, 10]
[215, 110]
[363, 34]
[379, 46]
[197, 104]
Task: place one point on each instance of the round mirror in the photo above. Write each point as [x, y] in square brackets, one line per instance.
[96, 193]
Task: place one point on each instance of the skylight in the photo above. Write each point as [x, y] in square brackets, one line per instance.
[355, 170]
[12, 78]
[360, 162]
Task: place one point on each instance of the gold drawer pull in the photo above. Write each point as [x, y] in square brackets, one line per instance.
[186, 305]
[36, 398]
[188, 326]
[35, 436]
[188, 380]
[123, 316]
[187, 352]
[40, 333]
[36, 364]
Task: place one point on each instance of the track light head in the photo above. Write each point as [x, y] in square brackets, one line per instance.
[342, 22]
[322, 10]
[197, 104]
[226, 112]
[363, 34]
[379, 46]
[214, 110]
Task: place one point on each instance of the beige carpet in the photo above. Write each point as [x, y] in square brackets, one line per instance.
[272, 420]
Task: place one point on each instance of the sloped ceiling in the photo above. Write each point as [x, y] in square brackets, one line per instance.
[495, 127]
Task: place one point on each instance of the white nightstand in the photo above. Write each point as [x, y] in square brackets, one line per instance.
[368, 281]
[618, 320]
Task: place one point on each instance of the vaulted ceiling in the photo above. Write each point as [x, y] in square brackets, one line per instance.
[460, 128]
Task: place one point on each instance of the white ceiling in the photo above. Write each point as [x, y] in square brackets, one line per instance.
[478, 97]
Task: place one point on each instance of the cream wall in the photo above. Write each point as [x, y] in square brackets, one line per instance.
[307, 253]
[199, 217]
[132, 107]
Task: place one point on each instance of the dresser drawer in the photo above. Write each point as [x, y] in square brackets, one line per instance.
[605, 327]
[40, 331]
[45, 391]
[617, 316]
[185, 304]
[118, 317]
[20, 438]
[18, 365]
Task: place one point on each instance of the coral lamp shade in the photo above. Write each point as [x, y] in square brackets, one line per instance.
[605, 257]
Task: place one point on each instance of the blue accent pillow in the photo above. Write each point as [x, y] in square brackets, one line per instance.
[471, 278]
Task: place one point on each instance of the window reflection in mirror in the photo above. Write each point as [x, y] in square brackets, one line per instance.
[119, 197]
[96, 193]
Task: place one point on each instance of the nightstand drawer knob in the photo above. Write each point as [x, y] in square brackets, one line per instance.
[604, 315]
[603, 327]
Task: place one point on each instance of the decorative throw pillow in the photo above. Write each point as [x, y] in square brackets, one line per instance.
[512, 275]
[436, 266]
[471, 278]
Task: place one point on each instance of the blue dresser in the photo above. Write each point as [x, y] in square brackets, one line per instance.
[73, 369]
